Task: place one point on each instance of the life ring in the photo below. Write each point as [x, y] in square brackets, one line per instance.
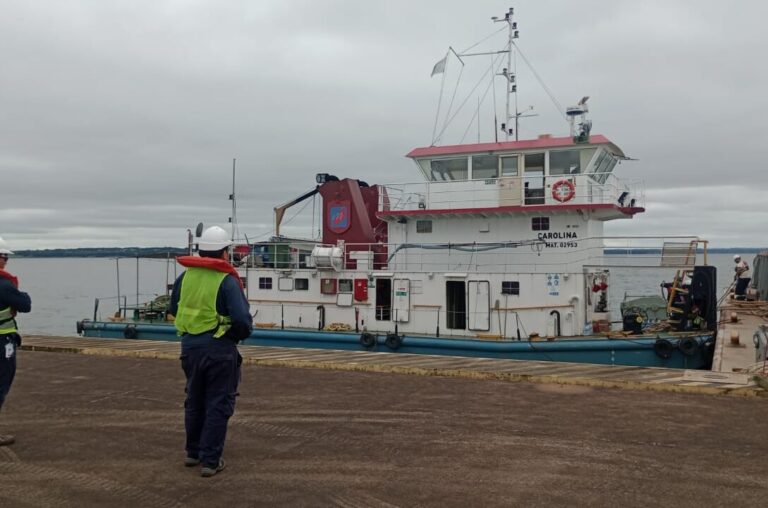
[563, 190]
[130, 332]
[663, 348]
[688, 346]
[367, 340]
[393, 341]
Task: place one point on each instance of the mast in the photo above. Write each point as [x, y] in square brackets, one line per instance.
[233, 218]
[509, 75]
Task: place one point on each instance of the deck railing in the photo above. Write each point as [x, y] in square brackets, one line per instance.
[514, 256]
[600, 188]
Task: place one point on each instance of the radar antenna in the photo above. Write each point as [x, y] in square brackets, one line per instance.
[577, 118]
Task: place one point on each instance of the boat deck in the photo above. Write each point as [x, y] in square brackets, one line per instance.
[596, 376]
[735, 350]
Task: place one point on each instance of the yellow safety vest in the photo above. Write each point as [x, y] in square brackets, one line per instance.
[7, 323]
[196, 312]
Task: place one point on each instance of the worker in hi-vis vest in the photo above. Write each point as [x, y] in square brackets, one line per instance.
[11, 301]
[212, 316]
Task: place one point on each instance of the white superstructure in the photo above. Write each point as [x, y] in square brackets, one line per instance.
[497, 240]
[499, 237]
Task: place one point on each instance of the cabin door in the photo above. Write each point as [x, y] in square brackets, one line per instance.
[533, 172]
[479, 304]
[383, 299]
[510, 185]
[456, 305]
[401, 303]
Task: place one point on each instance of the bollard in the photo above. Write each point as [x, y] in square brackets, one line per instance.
[734, 317]
[734, 338]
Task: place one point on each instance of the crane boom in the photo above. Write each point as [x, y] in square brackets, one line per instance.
[280, 210]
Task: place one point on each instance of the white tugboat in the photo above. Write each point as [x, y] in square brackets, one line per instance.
[497, 251]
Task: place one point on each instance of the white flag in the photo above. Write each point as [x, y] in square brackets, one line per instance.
[439, 67]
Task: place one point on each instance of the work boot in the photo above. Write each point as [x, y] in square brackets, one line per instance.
[7, 440]
[208, 471]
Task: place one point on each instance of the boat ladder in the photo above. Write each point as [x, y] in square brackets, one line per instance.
[678, 301]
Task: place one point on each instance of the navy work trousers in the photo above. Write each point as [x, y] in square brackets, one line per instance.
[741, 286]
[8, 347]
[212, 368]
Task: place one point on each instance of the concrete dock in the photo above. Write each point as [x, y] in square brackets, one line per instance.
[104, 427]
[735, 350]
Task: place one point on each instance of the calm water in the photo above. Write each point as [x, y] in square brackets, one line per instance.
[63, 290]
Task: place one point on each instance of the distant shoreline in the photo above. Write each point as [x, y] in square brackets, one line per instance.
[105, 252]
[165, 252]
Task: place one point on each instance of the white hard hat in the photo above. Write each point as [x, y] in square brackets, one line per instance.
[214, 238]
[3, 247]
[736, 257]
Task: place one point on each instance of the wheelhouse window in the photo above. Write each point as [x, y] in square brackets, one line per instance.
[540, 223]
[301, 284]
[509, 166]
[265, 282]
[510, 287]
[485, 167]
[564, 162]
[423, 226]
[603, 166]
[446, 170]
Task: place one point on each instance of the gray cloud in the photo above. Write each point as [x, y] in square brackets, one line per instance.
[120, 120]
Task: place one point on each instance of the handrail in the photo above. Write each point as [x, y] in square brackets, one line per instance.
[550, 254]
[589, 188]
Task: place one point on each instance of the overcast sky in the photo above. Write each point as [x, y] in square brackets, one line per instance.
[119, 120]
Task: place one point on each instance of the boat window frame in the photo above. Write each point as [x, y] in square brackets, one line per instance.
[444, 173]
[515, 156]
[540, 223]
[512, 287]
[488, 177]
[265, 283]
[341, 286]
[569, 172]
[605, 167]
[596, 161]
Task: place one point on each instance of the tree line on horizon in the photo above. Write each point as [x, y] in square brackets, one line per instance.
[104, 252]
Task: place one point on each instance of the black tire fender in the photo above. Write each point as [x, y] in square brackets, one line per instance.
[130, 332]
[367, 340]
[688, 346]
[393, 341]
[79, 327]
[663, 348]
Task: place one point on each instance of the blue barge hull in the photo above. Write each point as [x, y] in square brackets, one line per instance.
[660, 350]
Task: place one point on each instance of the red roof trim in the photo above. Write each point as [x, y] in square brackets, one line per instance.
[628, 210]
[428, 151]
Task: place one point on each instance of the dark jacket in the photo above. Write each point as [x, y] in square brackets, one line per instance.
[12, 297]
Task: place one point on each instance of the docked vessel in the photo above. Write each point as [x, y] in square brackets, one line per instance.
[497, 251]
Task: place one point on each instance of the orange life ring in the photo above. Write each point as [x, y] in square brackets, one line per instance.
[563, 190]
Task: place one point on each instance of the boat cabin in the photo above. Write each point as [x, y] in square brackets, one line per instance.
[545, 172]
